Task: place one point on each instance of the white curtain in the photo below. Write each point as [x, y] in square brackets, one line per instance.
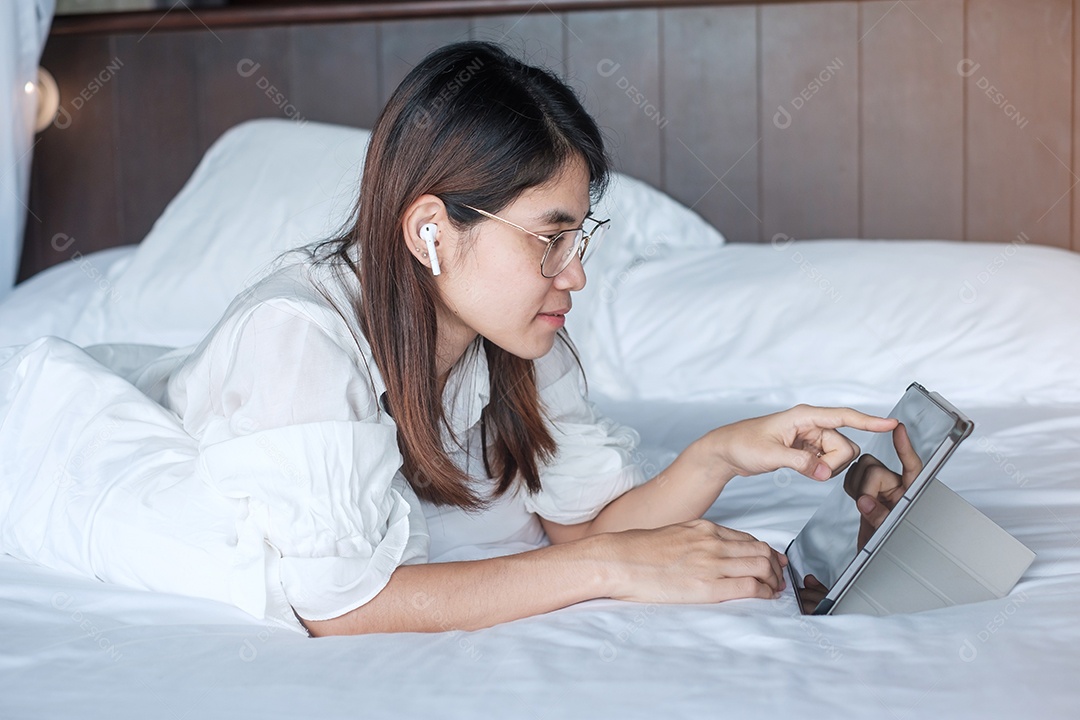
[24, 24]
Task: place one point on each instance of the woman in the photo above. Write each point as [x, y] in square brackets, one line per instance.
[403, 403]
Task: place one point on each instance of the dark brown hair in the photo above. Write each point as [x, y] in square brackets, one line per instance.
[473, 126]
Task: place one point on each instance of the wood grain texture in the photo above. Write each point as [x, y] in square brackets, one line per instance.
[710, 140]
[334, 73]
[810, 120]
[1075, 161]
[871, 150]
[76, 206]
[613, 63]
[339, 11]
[405, 43]
[241, 75]
[157, 97]
[1019, 110]
[912, 106]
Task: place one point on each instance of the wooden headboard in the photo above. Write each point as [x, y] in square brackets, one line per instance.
[945, 119]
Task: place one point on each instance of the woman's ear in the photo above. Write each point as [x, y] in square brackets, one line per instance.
[426, 230]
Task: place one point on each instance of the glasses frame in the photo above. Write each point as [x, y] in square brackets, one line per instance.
[550, 241]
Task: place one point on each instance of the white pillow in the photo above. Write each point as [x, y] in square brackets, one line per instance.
[644, 223]
[270, 185]
[264, 187]
[51, 302]
[851, 321]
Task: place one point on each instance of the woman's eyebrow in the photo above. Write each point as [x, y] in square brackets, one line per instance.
[556, 216]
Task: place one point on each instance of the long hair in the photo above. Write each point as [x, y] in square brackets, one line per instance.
[473, 126]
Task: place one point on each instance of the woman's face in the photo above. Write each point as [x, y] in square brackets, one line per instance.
[491, 283]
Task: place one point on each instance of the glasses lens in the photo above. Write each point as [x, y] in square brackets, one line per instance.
[560, 252]
[595, 238]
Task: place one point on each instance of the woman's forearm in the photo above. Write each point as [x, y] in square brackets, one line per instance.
[683, 491]
[475, 594]
[804, 438]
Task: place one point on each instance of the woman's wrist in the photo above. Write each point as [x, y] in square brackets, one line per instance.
[708, 455]
[603, 571]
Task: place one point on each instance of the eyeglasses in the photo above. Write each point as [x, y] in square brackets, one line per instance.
[561, 248]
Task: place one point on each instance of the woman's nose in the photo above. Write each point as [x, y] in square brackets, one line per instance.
[572, 277]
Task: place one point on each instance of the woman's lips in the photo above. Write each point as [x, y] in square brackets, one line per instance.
[557, 319]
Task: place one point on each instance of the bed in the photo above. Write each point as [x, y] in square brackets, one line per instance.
[990, 325]
[974, 295]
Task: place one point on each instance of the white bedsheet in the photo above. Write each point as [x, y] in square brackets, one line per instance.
[73, 647]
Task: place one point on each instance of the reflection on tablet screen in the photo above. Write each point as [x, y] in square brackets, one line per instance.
[891, 464]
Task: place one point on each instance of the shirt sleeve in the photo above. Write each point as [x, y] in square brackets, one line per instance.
[596, 457]
[288, 419]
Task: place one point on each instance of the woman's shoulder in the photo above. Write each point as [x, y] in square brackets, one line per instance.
[322, 294]
[301, 299]
[288, 346]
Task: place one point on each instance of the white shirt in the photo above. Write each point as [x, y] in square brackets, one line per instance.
[282, 397]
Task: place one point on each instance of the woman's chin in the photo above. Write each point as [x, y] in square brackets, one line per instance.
[529, 346]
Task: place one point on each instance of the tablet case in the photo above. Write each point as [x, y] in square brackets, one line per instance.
[943, 552]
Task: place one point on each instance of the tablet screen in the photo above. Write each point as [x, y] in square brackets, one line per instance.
[834, 536]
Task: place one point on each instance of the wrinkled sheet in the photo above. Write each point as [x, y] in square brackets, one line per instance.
[73, 647]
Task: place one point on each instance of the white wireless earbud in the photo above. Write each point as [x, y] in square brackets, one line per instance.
[427, 234]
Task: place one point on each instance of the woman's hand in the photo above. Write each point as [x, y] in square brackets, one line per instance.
[811, 595]
[876, 489]
[803, 438]
[692, 562]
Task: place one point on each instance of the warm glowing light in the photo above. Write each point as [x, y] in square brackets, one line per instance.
[48, 99]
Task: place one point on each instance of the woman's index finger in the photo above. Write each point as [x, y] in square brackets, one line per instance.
[836, 417]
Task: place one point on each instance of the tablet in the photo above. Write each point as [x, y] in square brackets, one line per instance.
[830, 547]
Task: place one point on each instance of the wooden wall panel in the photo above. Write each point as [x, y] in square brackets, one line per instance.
[404, 43]
[823, 119]
[613, 62]
[536, 37]
[1075, 162]
[912, 107]
[810, 120]
[334, 73]
[711, 142]
[75, 171]
[1019, 111]
[241, 75]
[157, 98]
